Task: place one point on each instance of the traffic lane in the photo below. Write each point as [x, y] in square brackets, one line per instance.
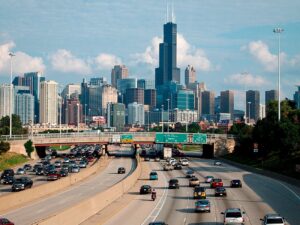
[46, 207]
[142, 206]
[259, 196]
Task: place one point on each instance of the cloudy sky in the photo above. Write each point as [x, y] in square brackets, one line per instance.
[230, 44]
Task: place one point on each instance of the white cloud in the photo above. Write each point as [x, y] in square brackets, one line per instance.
[106, 61]
[22, 62]
[186, 54]
[246, 79]
[64, 61]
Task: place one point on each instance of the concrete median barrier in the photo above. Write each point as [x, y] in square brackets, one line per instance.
[83, 210]
[11, 201]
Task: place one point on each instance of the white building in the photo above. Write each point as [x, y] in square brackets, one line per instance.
[262, 111]
[184, 116]
[71, 89]
[5, 97]
[136, 113]
[48, 103]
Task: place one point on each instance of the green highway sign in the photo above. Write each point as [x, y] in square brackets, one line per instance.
[126, 138]
[199, 138]
[171, 138]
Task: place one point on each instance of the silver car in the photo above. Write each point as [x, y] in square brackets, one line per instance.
[20, 171]
[273, 219]
[75, 169]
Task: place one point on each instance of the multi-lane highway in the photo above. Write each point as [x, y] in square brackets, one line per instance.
[258, 196]
[46, 207]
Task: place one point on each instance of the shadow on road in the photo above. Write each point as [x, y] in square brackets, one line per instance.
[186, 210]
[206, 223]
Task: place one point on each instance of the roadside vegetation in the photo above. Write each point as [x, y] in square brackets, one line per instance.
[60, 148]
[17, 128]
[192, 148]
[277, 143]
[11, 159]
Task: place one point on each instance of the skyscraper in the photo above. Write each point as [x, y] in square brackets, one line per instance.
[73, 105]
[227, 102]
[116, 116]
[145, 84]
[118, 72]
[24, 104]
[184, 99]
[253, 102]
[208, 102]
[99, 81]
[123, 84]
[297, 98]
[271, 95]
[19, 81]
[134, 95]
[5, 97]
[136, 114]
[150, 98]
[71, 89]
[108, 94]
[49, 102]
[189, 75]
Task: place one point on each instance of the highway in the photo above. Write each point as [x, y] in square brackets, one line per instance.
[260, 195]
[46, 207]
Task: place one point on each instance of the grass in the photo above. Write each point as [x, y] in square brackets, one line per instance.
[61, 148]
[11, 159]
[192, 148]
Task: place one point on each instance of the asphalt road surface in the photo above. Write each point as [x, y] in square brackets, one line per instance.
[258, 196]
[45, 207]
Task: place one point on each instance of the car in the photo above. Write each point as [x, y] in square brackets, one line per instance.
[54, 175]
[27, 167]
[7, 173]
[21, 183]
[158, 223]
[90, 158]
[194, 181]
[20, 171]
[67, 160]
[177, 166]
[153, 175]
[184, 162]
[220, 191]
[4, 221]
[121, 170]
[208, 179]
[36, 166]
[146, 159]
[8, 180]
[39, 171]
[236, 183]
[75, 169]
[216, 182]
[173, 184]
[57, 163]
[64, 173]
[233, 216]
[217, 163]
[273, 219]
[157, 159]
[82, 164]
[145, 189]
[168, 167]
[202, 205]
[199, 192]
[190, 174]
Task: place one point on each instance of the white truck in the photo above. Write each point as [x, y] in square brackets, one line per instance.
[167, 153]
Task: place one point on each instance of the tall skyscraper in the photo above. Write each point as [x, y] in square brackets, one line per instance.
[49, 102]
[134, 95]
[271, 95]
[126, 83]
[19, 81]
[116, 116]
[198, 88]
[74, 108]
[98, 81]
[189, 75]
[33, 80]
[150, 98]
[227, 102]
[208, 102]
[71, 89]
[24, 104]
[297, 98]
[253, 102]
[184, 99]
[145, 84]
[108, 94]
[136, 114]
[118, 72]
[5, 97]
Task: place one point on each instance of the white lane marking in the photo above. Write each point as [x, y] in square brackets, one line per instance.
[294, 193]
[187, 207]
[161, 201]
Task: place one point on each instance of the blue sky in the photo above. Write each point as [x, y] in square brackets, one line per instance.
[231, 44]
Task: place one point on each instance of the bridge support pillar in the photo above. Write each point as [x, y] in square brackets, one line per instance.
[208, 151]
[41, 151]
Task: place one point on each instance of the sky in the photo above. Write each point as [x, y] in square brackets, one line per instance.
[230, 43]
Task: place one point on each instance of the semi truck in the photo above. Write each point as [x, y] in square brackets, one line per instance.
[167, 152]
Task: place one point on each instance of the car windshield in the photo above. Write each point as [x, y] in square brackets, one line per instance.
[217, 180]
[233, 214]
[220, 189]
[202, 202]
[197, 189]
[274, 220]
[190, 172]
[173, 181]
[153, 173]
[17, 181]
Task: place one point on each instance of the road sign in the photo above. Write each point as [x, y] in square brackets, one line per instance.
[115, 138]
[199, 138]
[170, 138]
[126, 138]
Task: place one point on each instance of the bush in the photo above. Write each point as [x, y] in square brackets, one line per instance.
[4, 147]
[29, 148]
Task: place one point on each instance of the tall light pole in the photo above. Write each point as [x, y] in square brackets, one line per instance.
[186, 105]
[278, 31]
[11, 94]
[249, 103]
[168, 100]
[85, 114]
[77, 117]
[162, 118]
[245, 74]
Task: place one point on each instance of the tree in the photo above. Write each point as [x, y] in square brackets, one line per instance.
[4, 147]
[16, 125]
[29, 148]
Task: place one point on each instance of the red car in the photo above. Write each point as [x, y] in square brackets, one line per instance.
[90, 158]
[216, 182]
[4, 221]
[53, 176]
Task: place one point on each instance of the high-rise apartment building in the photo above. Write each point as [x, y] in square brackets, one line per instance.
[227, 102]
[271, 95]
[118, 72]
[116, 116]
[49, 102]
[6, 95]
[145, 84]
[74, 111]
[189, 75]
[24, 104]
[253, 102]
[108, 94]
[297, 98]
[208, 102]
[150, 98]
[134, 95]
[136, 114]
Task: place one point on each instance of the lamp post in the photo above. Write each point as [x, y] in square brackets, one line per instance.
[278, 31]
[11, 93]
[85, 114]
[186, 105]
[168, 100]
[249, 103]
[162, 118]
[77, 117]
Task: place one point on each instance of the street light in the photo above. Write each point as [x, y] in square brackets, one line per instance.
[278, 31]
[11, 93]
[77, 117]
[162, 118]
[249, 103]
[85, 114]
[186, 105]
[168, 100]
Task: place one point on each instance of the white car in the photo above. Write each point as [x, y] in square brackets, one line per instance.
[173, 162]
[233, 216]
[273, 219]
[217, 163]
[184, 162]
[208, 179]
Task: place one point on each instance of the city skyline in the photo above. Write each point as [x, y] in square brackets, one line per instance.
[220, 47]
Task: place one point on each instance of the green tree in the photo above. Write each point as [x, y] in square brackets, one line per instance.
[194, 128]
[4, 147]
[29, 148]
[16, 125]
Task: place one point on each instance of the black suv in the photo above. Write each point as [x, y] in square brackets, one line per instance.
[8, 180]
[7, 173]
[121, 170]
[173, 184]
[236, 183]
[21, 184]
